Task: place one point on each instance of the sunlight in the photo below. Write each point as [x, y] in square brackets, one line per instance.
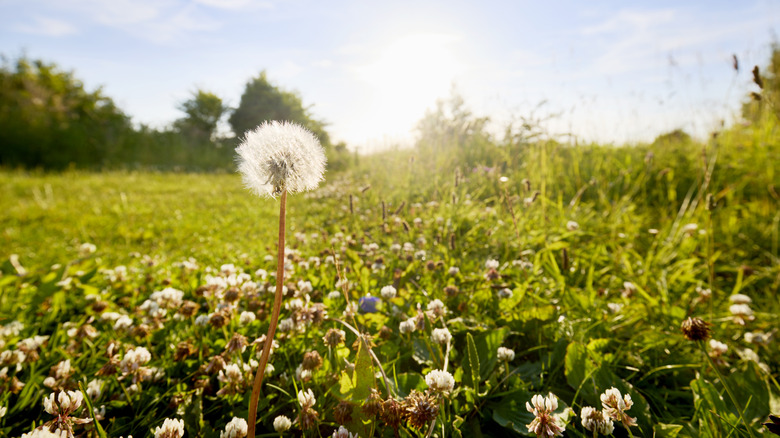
[407, 77]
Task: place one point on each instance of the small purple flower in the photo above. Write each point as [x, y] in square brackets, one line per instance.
[368, 304]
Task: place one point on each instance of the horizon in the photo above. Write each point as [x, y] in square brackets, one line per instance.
[611, 74]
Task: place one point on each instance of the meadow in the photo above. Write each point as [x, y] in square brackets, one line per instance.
[430, 292]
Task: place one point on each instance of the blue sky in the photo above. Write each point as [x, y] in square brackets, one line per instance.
[609, 71]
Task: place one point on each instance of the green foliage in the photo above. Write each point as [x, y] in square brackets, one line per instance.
[204, 110]
[48, 119]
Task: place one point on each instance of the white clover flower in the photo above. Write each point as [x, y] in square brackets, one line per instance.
[441, 336]
[505, 293]
[545, 423]
[454, 270]
[615, 406]
[407, 326]
[87, 249]
[596, 421]
[44, 432]
[717, 348]
[282, 424]
[492, 264]
[246, 318]
[170, 428]
[740, 299]
[237, 428]
[505, 354]
[95, 388]
[388, 292]
[690, 228]
[123, 323]
[440, 381]
[277, 156]
[306, 399]
[437, 308]
[572, 226]
[342, 432]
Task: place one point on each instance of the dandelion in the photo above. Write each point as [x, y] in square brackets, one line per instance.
[282, 424]
[170, 429]
[615, 406]
[440, 381]
[544, 423]
[274, 159]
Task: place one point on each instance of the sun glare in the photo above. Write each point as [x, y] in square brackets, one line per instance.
[406, 77]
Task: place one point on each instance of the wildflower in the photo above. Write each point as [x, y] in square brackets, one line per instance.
[440, 381]
[616, 406]
[419, 409]
[342, 432]
[407, 326]
[544, 422]
[237, 343]
[441, 336]
[505, 293]
[237, 428]
[492, 264]
[246, 318]
[741, 313]
[758, 338]
[95, 388]
[392, 413]
[278, 156]
[596, 421]
[86, 249]
[695, 329]
[372, 406]
[436, 307]
[232, 380]
[740, 299]
[282, 423]
[572, 226]
[170, 429]
[311, 360]
[306, 399]
[505, 354]
[368, 304]
[132, 363]
[454, 270]
[689, 229]
[388, 292]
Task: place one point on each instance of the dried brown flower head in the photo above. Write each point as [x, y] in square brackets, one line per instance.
[333, 338]
[372, 406]
[342, 413]
[188, 308]
[236, 344]
[420, 409]
[311, 360]
[695, 329]
[392, 413]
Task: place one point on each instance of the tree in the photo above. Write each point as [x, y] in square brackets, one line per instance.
[262, 101]
[48, 119]
[204, 110]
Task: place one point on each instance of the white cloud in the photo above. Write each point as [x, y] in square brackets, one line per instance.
[47, 27]
[236, 4]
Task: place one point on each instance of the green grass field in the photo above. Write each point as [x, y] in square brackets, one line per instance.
[588, 282]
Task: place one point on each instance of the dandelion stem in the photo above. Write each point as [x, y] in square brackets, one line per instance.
[269, 338]
[728, 389]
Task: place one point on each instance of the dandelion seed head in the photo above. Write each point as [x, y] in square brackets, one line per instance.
[280, 155]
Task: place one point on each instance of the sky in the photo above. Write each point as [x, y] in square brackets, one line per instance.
[609, 71]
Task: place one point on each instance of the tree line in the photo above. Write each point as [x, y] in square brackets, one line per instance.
[50, 120]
